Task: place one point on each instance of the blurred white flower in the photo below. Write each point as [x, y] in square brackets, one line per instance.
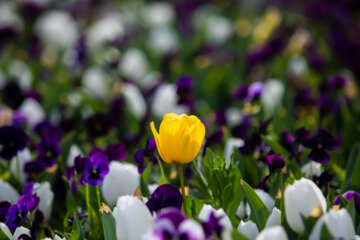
[134, 99]
[57, 28]
[18, 170]
[73, 153]
[218, 29]
[158, 14]
[162, 40]
[8, 17]
[22, 73]
[311, 169]
[266, 199]
[33, 111]
[46, 196]
[8, 192]
[134, 64]
[275, 232]
[248, 229]
[241, 210]
[231, 144]
[272, 95]
[233, 116]
[57, 237]
[152, 187]
[297, 67]
[150, 80]
[132, 217]
[274, 218]
[300, 199]
[105, 30]
[122, 180]
[338, 223]
[208, 209]
[165, 101]
[96, 82]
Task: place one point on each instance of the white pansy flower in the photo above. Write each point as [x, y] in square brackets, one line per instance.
[96, 82]
[17, 164]
[46, 196]
[311, 169]
[33, 111]
[158, 14]
[272, 95]
[134, 64]
[218, 29]
[162, 40]
[208, 209]
[134, 99]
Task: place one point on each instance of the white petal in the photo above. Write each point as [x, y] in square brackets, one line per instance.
[73, 153]
[134, 99]
[46, 196]
[208, 209]
[275, 232]
[193, 228]
[231, 144]
[18, 170]
[248, 229]
[274, 219]
[265, 198]
[132, 217]
[20, 231]
[122, 180]
[311, 168]
[272, 95]
[33, 111]
[4, 228]
[96, 82]
[7, 192]
[241, 212]
[158, 14]
[134, 64]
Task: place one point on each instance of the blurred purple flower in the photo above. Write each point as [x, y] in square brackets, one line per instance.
[275, 162]
[4, 208]
[212, 225]
[48, 151]
[97, 125]
[12, 95]
[337, 82]
[319, 144]
[144, 156]
[255, 91]
[349, 195]
[30, 200]
[164, 196]
[96, 167]
[214, 138]
[12, 140]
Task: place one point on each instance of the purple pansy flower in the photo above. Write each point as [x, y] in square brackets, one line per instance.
[348, 196]
[12, 140]
[47, 129]
[320, 143]
[212, 225]
[48, 151]
[255, 91]
[116, 151]
[74, 173]
[337, 82]
[16, 215]
[97, 125]
[146, 155]
[96, 167]
[30, 200]
[164, 196]
[184, 87]
[4, 207]
[171, 224]
[275, 162]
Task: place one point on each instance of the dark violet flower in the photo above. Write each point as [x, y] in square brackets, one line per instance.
[303, 98]
[116, 151]
[97, 125]
[16, 215]
[184, 87]
[73, 174]
[212, 225]
[240, 92]
[255, 91]
[30, 200]
[275, 162]
[348, 196]
[302, 134]
[96, 167]
[220, 118]
[214, 138]
[319, 144]
[47, 129]
[48, 151]
[12, 94]
[242, 129]
[4, 207]
[12, 140]
[337, 82]
[287, 141]
[146, 155]
[164, 196]
[171, 224]
[324, 180]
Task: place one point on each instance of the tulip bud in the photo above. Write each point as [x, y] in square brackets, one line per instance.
[180, 138]
[276, 232]
[122, 179]
[300, 200]
[338, 223]
[274, 218]
[132, 218]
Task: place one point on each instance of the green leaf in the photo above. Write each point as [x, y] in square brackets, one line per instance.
[193, 205]
[238, 236]
[259, 212]
[109, 226]
[209, 159]
[77, 232]
[143, 187]
[351, 209]
[276, 147]
[3, 235]
[353, 173]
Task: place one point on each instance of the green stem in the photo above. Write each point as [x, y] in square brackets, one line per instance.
[181, 175]
[98, 196]
[161, 169]
[282, 196]
[88, 205]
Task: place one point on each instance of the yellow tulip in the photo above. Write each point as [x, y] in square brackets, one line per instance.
[180, 138]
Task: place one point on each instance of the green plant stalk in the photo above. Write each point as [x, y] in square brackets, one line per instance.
[88, 205]
[282, 196]
[98, 196]
[181, 175]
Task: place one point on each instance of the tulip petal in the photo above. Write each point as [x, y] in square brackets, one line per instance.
[156, 136]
